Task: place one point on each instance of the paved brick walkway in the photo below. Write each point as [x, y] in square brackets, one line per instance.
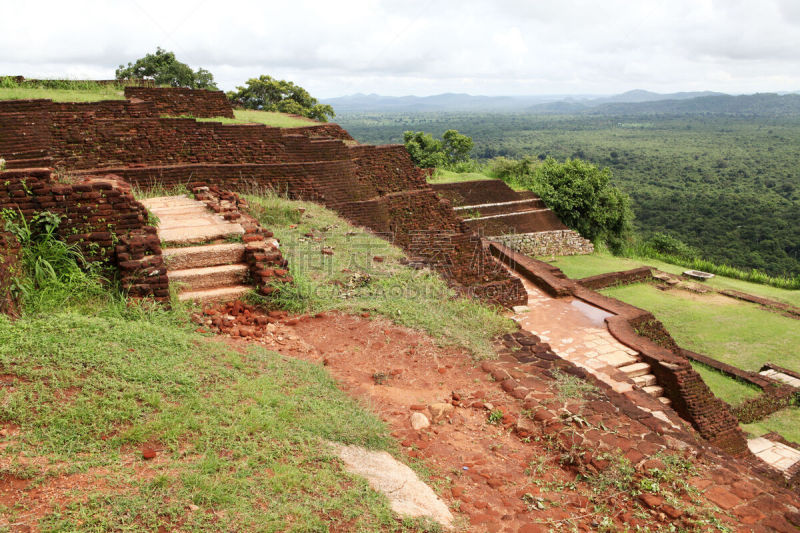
[575, 334]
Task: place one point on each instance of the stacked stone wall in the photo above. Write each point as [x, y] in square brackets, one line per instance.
[101, 216]
[326, 130]
[176, 101]
[556, 242]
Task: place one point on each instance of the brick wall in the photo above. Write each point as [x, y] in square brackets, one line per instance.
[378, 187]
[328, 130]
[476, 192]
[100, 215]
[177, 102]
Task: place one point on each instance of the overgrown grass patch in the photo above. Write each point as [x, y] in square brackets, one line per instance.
[738, 333]
[446, 176]
[351, 280]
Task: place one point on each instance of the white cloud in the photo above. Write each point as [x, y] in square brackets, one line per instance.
[423, 46]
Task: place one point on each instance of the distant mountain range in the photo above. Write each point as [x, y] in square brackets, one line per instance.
[631, 102]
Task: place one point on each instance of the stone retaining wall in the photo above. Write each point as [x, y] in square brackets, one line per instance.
[558, 242]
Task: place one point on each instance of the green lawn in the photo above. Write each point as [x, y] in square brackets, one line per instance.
[581, 266]
[91, 93]
[446, 176]
[724, 387]
[351, 281]
[785, 423]
[270, 118]
[738, 333]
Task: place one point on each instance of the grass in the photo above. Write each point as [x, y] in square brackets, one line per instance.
[446, 176]
[270, 118]
[350, 280]
[239, 433]
[59, 91]
[728, 389]
[581, 266]
[738, 333]
[784, 422]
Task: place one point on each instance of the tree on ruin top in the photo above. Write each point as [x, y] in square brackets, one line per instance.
[265, 93]
[163, 68]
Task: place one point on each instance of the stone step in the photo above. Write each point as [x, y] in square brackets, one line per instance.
[192, 279]
[195, 235]
[645, 380]
[635, 370]
[203, 256]
[220, 294]
[665, 400]
[179, 210]
[168, 201]
[654, 390]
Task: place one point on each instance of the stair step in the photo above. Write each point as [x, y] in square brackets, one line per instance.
[196, 235]
[654, 390]
[193, 279]
[645, 380]
[203, 256]
[220, 294]
[665, 400]
[636, 369]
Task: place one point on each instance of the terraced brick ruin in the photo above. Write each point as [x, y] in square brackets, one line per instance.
[80, 161]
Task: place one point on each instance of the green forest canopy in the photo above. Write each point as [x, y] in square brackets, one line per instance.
[727, 185]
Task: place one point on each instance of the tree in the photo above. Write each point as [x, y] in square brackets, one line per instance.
[163, 68]
[428, 152]
[582, 195]
[268, 94]
[456, 146]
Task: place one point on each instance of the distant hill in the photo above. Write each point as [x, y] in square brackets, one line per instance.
[762, 104]
[459, 102]
[629, 103]
[375, 103]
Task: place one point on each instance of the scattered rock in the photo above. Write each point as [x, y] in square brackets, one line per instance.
[408, 496]
[419, 421]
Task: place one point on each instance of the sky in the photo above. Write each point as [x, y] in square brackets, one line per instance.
[422, 47]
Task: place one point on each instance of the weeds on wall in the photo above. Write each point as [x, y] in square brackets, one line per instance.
[54, 274]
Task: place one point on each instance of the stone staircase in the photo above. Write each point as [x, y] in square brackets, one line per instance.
[200, 250]
[639, 372]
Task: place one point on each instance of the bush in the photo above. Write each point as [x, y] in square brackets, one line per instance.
[265, 93]
[451, 152]
[582, 195]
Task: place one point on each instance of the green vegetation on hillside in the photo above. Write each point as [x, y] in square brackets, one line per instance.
[270, 118]
[725, 185]
[351, 280]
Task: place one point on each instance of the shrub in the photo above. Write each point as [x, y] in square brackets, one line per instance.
[266, 93]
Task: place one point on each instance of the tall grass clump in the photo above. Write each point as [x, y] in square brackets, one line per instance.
[54, 274]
